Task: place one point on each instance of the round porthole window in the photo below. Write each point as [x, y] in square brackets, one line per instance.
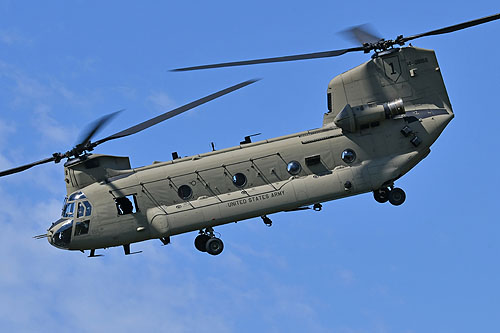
[239, 179]
[348, 156]
[293, 168]
[185, 192]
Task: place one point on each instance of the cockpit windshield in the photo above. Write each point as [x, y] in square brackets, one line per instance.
[68, 209]
[77, 211]
[83, 209]
[76, 196]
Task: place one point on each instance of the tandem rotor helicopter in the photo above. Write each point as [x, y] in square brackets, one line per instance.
[382, 118]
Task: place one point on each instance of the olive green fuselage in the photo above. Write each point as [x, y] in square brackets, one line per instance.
[206, 190]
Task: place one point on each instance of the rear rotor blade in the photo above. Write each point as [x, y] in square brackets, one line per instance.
[172, 113]
[27, 166]
[362, 34]
[305, 56]
[453, 28]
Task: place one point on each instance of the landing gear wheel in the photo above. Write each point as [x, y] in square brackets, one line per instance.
[214, 246]
[397, 196]
[381, 195]
[200, 242]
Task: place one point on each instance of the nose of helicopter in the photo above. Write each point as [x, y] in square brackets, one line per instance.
[59, 234]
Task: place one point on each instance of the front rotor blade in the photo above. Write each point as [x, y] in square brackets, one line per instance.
[96, 126]
[173, 113]
[315, 55]
[453, 28]
[26, 166]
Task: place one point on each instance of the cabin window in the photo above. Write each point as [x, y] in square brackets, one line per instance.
[348, 156]
[126, 205]
[293, 168]
[239, 179]
[185, 192]
[82, 227]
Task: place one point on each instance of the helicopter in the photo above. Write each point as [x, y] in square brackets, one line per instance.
[383, 116]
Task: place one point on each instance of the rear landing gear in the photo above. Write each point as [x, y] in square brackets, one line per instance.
[396, 196]
[207, 242]
[382, 195]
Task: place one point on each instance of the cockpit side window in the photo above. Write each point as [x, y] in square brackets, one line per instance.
[81, 210]
[82, 227]
[84, 209]
[88, 208]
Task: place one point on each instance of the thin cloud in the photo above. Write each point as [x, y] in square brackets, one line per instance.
[6, 129]
[62, 92]
[52, 129]
[11, 37]
[43, 284]
[346, 276]
[29, 90]
[4, 163]
[26, 88]
[161, 101]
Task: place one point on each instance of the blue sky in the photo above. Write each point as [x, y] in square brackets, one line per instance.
[430, 265]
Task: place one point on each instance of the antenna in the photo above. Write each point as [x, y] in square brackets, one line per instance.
[248, 138]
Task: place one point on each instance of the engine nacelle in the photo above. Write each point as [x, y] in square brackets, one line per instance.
[351, 119]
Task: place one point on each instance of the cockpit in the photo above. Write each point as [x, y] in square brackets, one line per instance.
[74, 221]
[83, 209]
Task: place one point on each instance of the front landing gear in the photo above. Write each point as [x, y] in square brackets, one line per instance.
[395, 196]
[214, 246]
[200, 242]
[207, 242]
